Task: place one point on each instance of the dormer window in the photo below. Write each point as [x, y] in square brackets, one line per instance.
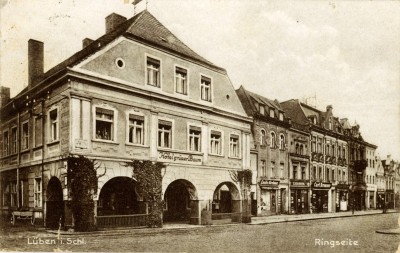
[262, 109]
[281, 116]
[272, 113]
[330, 123]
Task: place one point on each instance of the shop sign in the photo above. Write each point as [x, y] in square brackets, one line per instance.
[265, 183]
[179, 158]
[381, 190]
[342, 186]
[299, 183]
[322, 185]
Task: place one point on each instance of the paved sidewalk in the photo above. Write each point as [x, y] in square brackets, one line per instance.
[314, 216]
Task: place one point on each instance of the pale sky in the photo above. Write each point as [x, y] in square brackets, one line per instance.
[347, 53]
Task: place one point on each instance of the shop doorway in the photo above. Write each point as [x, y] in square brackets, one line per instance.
[268, 202]
[226, 203]
[299, 201]
[319, 201]
[54, 204]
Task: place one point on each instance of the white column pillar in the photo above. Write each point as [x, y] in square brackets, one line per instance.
[205, 142]
[153, 128]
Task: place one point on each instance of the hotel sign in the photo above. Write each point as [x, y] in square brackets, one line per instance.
[265, 183]
[179, 158]
[322, 185]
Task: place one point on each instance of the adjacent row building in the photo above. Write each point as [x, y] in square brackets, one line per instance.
[138, 92]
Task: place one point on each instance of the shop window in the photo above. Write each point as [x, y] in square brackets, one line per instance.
[205, 85]
[53, 119]
[215, 143]
[25, 136]
[5, 143]
[164, 134]
[194, 138]
[136, 129]
[234, 145]
[153, 72]
[6, 194]
[14, 140]
[37, 192]
[181, 79]
[104, 124]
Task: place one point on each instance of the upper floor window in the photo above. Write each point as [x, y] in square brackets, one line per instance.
[294, 171]
[282, 142]
[104, 124]
[164, 134]
[314, 144]
[14, 140]
[339, 152]
[282, 165]
[320, 173]
[153, 72]
[53, 119]
[303, 173]
[301, 149]
[234, 145]
[297, 149]
[272, 113]
[194, 138]
[319, 145]
[314, 173]
[136, 129]
[38, 131]
[205, 85]
[263, 168]
[262, 137]
[327, 149]
[262, 109]
[25, 136]
[333, 150]
[273, 140]
[5, 143]
[330, 123]
[215, 143]
[281, 116]
[181, 79]
[272, 169]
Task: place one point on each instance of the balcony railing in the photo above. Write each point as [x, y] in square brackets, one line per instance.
[132, 220]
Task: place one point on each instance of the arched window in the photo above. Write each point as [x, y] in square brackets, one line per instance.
[273, 140]
[262, 137]
[301, 150]
[282, 142]
[297, 148]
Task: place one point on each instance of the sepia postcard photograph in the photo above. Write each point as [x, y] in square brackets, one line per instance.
[199, 126]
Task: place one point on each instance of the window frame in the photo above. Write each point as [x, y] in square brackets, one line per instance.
[128, 126]
[35, 135]
[210, 93]
[114, 126]
[237, 145]
[155, 59]
[221, 142]
[171, 142]
[6, 145]
[176, 67]
[37, 193]
[273, 139]
[25, 138]
[13, 140]
[51, 123]
[263, 137]
[194, 136]
[282, 141]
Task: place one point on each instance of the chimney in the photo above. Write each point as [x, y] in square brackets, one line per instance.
[86, 42]
[329, 108]
[113, 21]
[35, 60]
[4, 96]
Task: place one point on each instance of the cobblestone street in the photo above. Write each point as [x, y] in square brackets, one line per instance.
[297, 236]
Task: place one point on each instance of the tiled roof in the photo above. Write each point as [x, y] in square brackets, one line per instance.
[143, 26]
[294, 111]
[263, 100]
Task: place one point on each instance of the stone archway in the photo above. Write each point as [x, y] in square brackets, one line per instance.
[54, 204]
[181, 203]
[118, 196]
[226, 202]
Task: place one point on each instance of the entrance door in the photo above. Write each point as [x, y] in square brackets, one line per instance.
[54, 204]
[273, 202]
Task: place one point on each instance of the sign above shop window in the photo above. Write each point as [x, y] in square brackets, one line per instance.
[299, 183]
[321, 185]
[266, 183]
